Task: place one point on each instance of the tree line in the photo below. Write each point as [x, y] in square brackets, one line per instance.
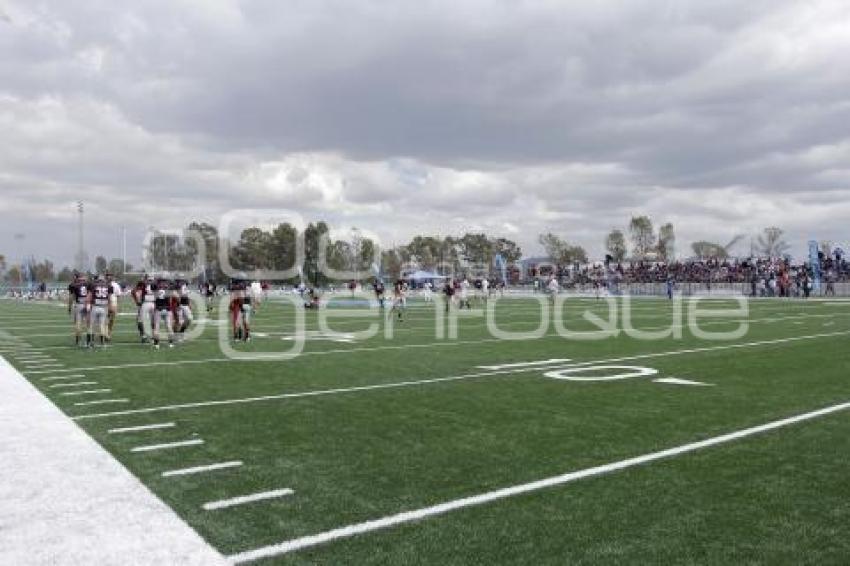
[275, 249]
[647, 244]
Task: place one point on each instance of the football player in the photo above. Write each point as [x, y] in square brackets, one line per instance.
[235, 309]
[115, 292]
[163, 315]
[184, 310]
[99, 304]
[78, 304]
[399, 298]
[378, 287]
[247, 311]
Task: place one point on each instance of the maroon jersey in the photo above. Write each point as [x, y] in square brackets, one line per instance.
[80, 291]
[100, 294]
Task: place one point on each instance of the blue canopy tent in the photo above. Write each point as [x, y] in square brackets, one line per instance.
[417, 278]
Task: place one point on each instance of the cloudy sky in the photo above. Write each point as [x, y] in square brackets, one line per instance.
[513, 117]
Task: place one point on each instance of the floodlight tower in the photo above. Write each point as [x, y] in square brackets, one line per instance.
[80, 253]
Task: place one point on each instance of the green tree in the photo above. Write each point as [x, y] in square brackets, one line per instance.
[666, 242]
[209, 235]
[14, 275]
[709, 250]
[43, 271]
[508, 249]
[283, 252]
[615, 244]
[100, 264]
[771, 243]
[169, 252]
[65, 275]
[561, 252]
[392, 261]
[313, 235]
[253, 250]
[642, 236]
[476, 248]
[116, 267]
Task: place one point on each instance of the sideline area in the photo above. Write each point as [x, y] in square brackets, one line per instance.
[65, 500]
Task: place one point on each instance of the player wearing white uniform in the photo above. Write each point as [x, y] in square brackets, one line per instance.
[147, 299]
[256, 292]
[99, 304]
[427, 292]
[552, 287]
[464, 293]
[115, 292]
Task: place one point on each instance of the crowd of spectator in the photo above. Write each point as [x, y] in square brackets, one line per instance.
[770, 277]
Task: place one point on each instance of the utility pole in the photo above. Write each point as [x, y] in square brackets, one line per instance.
[123, 250]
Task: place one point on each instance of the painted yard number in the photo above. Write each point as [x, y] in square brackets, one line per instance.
[600, 373]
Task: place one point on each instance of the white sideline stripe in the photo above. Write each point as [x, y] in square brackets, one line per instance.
[224, 503]
[101, 402]
[57, 377]
[167, 445]
[677, 381]
[487, 497]
[43, 366]
[87, 392]
[527, 364]
[416, 382]
[73, 502]
[141, 427]
[77, 384]
[201, 469]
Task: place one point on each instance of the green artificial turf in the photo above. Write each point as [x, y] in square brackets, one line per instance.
[356, 452]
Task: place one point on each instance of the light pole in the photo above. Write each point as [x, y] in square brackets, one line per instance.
[356, 240]
[80, 253]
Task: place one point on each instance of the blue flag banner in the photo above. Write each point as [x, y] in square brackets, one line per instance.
[814, 261]
[502, 266]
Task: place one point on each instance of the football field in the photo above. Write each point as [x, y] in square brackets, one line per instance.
[416, 446]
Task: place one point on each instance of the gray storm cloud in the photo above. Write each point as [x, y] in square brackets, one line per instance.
[435, 116]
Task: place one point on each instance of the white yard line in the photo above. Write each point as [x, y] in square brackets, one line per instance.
[201, 469]
[263, 496]
[414, 383]
[677, 381]
[126, 429]
[527, 364]
[87, 392]
[101, 402]
[167, 445]
[77, 384]
[513, 491]
[69, 501]
[58, 377]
